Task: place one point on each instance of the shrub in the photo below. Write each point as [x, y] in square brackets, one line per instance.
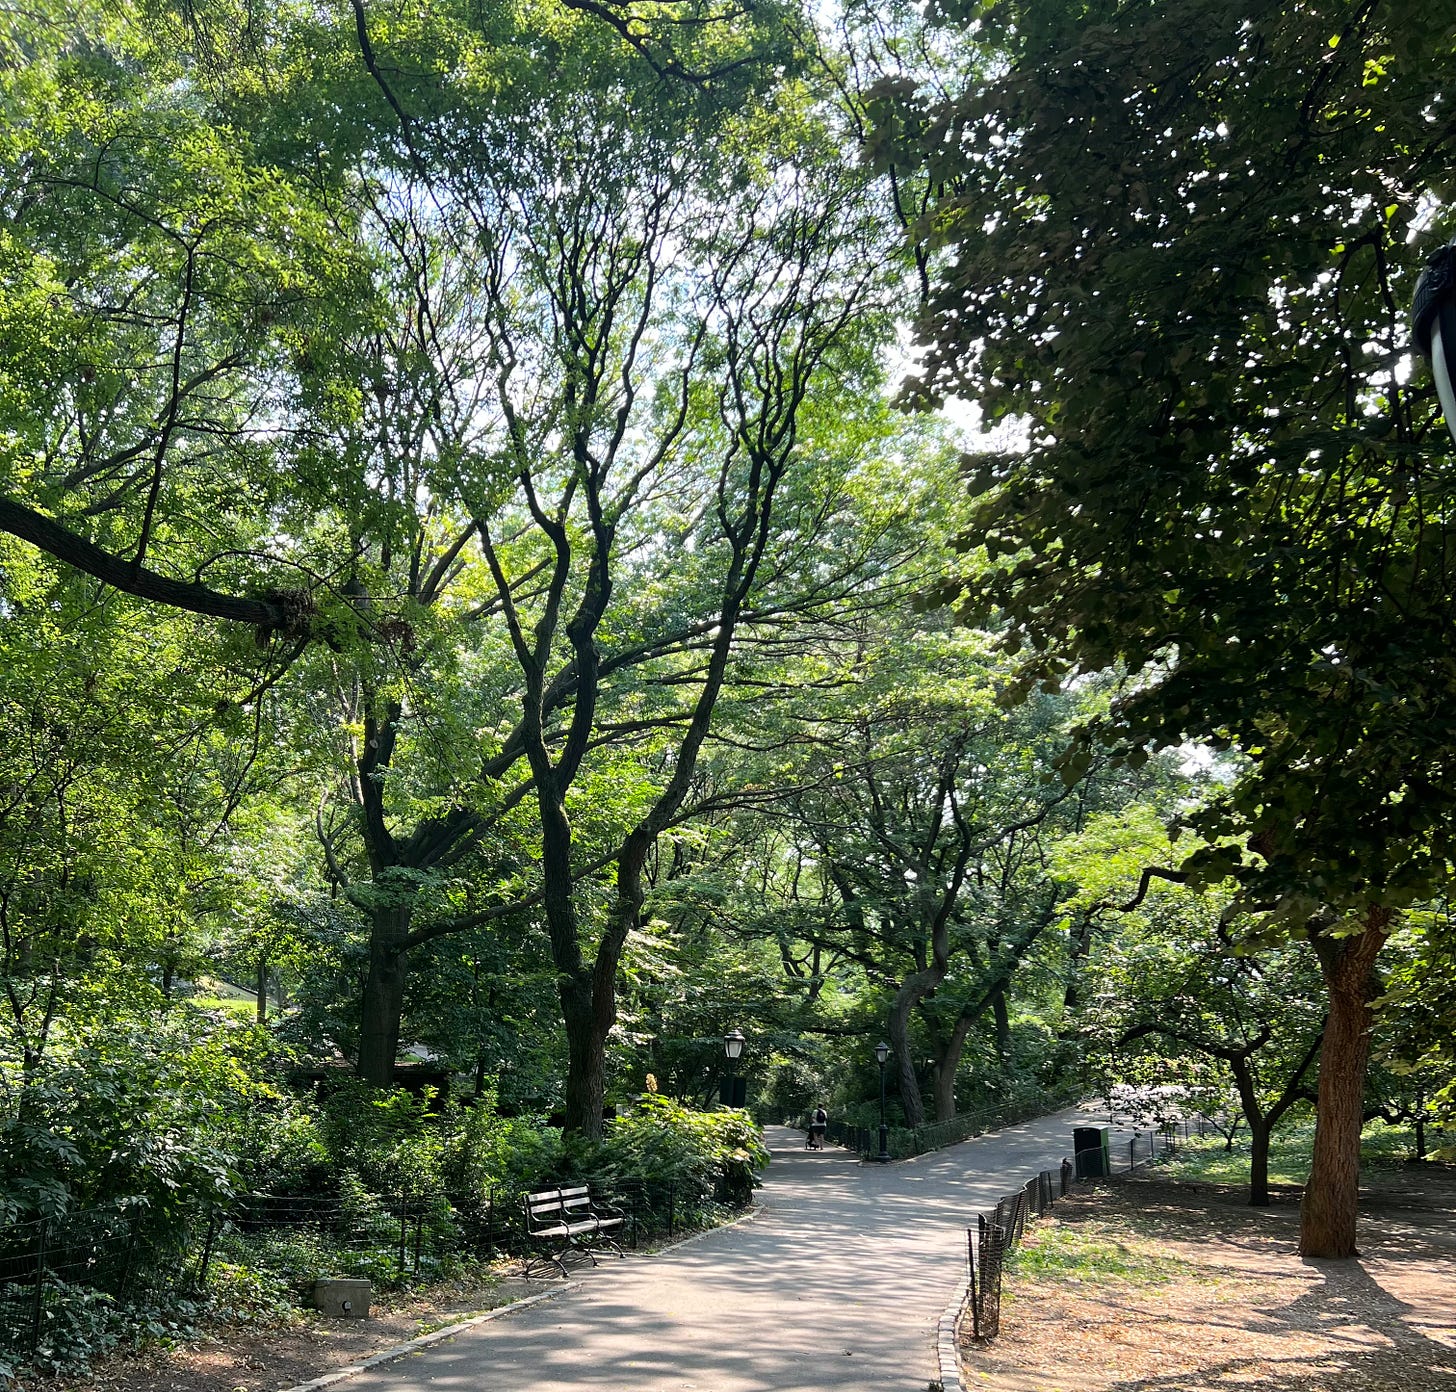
[484, 1154]
[661, 1141]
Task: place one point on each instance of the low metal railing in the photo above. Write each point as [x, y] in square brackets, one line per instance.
[995, 1235]
[51, 1266]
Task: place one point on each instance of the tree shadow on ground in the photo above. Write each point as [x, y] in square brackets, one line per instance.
[1383, 1323]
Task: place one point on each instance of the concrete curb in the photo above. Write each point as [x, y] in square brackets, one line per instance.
[425, 1340]
[946, 1343]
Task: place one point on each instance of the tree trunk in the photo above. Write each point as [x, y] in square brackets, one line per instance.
[262, 989]
[945, 1078]
[950, 1063]
[905, 999]
[1079, 945]
[1259, 1128]
[383, 1001]
[586, 1058]
[1327, 1214]
[1003, 1025]
[1259, 1133]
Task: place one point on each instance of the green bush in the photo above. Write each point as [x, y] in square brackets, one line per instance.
[285, 1152]
[661, 1141]
[79, 1323]
[485, 1155]
[144, 1116]
[390, 1140]
[246, 1294]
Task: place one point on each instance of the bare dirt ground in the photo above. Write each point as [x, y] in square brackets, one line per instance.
[1212, 1294]
[235, 1358]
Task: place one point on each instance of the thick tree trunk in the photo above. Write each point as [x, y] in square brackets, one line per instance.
[589, 995]
[950, 1062]
[383, 1001]
[1258, 1163]
[904, 1065]
[586, 1058]
[1327, 1214]
[262, 989]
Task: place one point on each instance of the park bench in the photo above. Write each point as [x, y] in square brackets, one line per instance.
[565, 1220]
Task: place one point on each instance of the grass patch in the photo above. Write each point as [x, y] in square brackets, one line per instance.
[1207, 1159]
[244, 1009]
[1290, 1150]
[1089, 1251]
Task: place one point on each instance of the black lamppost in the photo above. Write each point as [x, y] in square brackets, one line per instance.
[1433, 322]
[882, 1053]
[733, 1043]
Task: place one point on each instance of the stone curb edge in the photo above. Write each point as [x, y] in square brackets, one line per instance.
[946, 1343]
[425, 1340]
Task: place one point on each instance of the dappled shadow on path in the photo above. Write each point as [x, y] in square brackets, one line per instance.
[836, 1282]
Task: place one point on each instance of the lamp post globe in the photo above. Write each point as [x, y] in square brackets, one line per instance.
[882, 1054]
[734, 1091]
[1433, 326]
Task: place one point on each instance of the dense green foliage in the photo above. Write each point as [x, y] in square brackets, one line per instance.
[464, 599]
[1170, 246]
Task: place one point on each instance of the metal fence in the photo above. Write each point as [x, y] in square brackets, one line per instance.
[51, 1267]
[997, 1234]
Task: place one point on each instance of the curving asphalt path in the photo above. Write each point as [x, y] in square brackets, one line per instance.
[836, 1281]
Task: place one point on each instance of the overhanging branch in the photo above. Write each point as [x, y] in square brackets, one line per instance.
[283, 611]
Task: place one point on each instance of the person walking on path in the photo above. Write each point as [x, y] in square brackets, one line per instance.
[817, 1128]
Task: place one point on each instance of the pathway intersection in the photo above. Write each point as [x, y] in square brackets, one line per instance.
[836, 1283]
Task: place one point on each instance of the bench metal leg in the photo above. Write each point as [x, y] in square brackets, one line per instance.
[540, 1256]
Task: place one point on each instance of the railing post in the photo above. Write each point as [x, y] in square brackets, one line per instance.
[206, 1261]
[403, 1225]
[128, 1257]
[40, 1265]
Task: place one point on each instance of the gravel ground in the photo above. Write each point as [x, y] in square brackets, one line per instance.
[1213, 1294]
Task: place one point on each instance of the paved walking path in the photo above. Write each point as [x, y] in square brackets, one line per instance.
[838, 1281]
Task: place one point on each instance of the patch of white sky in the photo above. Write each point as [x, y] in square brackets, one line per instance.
[965, 418]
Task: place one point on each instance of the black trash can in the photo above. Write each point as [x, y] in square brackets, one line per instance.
[1091, 1151]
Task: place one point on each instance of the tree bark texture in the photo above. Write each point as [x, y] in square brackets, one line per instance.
[1258, 1163]
[1328, 1211]
[906, 1083]
[383, 1001]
